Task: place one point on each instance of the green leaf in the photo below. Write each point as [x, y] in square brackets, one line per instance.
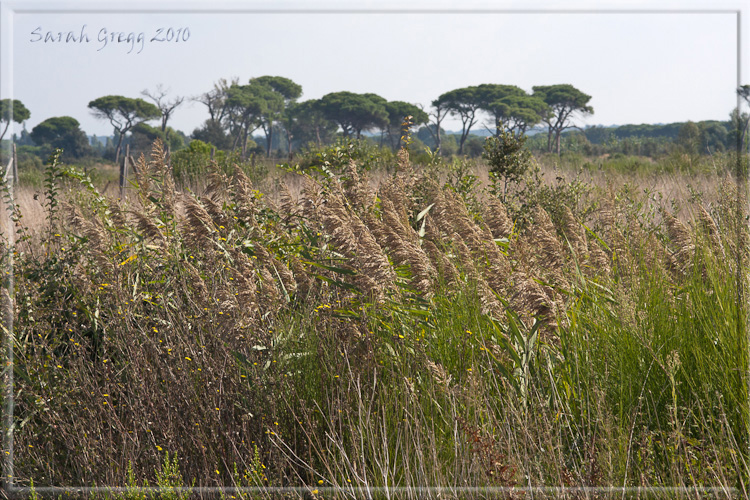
[338, 270]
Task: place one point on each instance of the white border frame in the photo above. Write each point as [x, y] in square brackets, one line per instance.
[9, 7]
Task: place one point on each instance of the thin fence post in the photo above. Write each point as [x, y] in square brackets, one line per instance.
[213, 152]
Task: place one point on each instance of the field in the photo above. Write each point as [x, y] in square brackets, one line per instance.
[404, 325]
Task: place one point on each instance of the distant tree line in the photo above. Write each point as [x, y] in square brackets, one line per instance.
[695, 138]
[266, 116]
[270, 105]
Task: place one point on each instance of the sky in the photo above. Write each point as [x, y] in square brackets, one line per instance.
[638, 67]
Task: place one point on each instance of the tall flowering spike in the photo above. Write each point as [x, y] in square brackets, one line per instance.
[404, 252]
[683, 241]
[168, 191]
[496, 217]
[242, 184]
[147, 227]
[334, 218]
[247, 294]
[289, 205]
[442, 263]
[548, 248]
[599, 260]
[269, 296]
[311, 198]
[301, 278]
[216, 211]
[530, 297]
[575, 233]
[198, 224]
[196, 281]
[395, 191]
[99, 239]
[371, 257]
[711, 230]
[402, 160]
[117, 216]
[244, 196]
[143, 176]
[217, 182]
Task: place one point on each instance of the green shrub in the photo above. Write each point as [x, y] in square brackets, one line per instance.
[335, 158]
[508, 158]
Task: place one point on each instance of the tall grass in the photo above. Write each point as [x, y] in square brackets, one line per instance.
[417, 334]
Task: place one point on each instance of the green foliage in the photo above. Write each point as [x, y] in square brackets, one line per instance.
[575, 194]
[461, 179]
[334, 159]
[134, 491]
[464, 103]
[283, 94]
[189, 165]
[144, 135]
[689, 138]
[62, 132]
[563, 102]
[309, 124]
[354, 113]
[474, 146]
[52, 175]
[398, 111]
[212, 132]
[168, 478]
[510, 107]
[448, 142]
[123, 113]
[259, 104]
[508, 158]
[12, 110]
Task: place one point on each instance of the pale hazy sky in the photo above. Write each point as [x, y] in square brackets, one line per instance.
[638, 67]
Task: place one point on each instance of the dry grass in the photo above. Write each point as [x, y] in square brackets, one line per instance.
[352, 342]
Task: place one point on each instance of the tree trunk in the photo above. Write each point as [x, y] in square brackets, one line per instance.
[7, 124]
[119, 147]
[558, 133]
[464, 136]
[124, 171]
[237, 137]
[269, 140]
[549, 139]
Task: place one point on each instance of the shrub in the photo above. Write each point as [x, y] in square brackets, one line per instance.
[508, 158]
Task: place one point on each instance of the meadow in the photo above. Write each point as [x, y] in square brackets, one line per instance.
[380, 322]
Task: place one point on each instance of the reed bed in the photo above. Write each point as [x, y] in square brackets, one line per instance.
[407, 334]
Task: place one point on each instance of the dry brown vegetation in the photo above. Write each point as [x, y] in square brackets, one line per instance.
[403, 332]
